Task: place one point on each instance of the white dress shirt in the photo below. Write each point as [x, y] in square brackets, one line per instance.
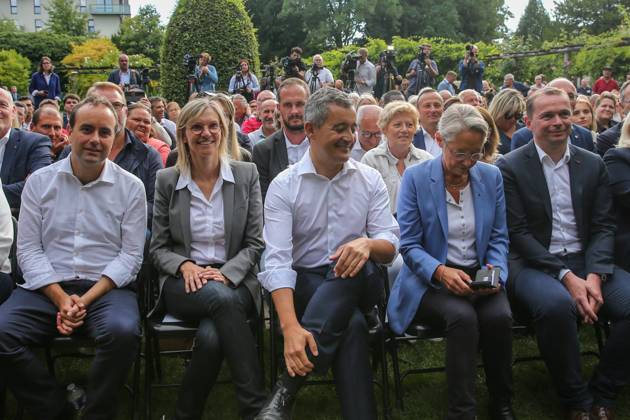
[125, 77]
[564, 233]
[432, 146]
[461, 229]
[367, 72]
[3, 145]
[308, 216]
[256, 136]
[323, 76]
[381, 159]
[70, 231]
[296, 151]
[6, 233]
[207, 225]
[358, 151]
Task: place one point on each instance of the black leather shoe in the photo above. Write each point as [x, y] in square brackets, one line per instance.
[502, 412]
[279, 405]
[577, 415]
[599, 412]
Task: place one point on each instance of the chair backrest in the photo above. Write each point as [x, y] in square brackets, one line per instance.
[16, 273]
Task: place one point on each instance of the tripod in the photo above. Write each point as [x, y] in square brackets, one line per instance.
[312, 85]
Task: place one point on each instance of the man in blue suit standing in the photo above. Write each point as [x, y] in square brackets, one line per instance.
[21, 152]
[579, 136]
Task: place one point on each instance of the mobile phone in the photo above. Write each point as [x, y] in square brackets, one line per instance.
[486, 279]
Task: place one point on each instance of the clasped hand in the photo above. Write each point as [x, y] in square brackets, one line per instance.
[195, 276]
[586, 293]
[72, 312]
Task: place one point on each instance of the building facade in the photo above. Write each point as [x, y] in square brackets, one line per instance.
[104, 16]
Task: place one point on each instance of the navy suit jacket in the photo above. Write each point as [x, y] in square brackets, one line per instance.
[38, 82]
[423, 221]
[24, 153]
[617, 162]
[418, 139]
[580, 137]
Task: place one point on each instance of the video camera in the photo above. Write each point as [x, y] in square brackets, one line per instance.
[190, 62]
[469, 50]
[291, 67]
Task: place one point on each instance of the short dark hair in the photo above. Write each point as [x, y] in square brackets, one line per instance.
[71, 96]
[153, 99]
[25, 98]
[292, 81]
[41, 112]
[297, 50]
[93, 100]
[20, 105]
[546, 91]
[391, 96]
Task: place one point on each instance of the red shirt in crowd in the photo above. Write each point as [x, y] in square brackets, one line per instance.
[250, 125]
[601, 85]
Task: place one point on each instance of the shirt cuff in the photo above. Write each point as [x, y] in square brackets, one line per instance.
[277, 279]
[389, 237]
[563, 273]
[41, 280]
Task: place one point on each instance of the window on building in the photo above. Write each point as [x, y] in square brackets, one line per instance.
[83, 6]
[39, 25]
[91, 27]
[37, 7]
[13, 7]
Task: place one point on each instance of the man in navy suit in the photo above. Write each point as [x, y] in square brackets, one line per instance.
[579, 136]
[21, 152]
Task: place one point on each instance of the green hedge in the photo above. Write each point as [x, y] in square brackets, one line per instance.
[220, 27]
[14, 70]
[34, 45]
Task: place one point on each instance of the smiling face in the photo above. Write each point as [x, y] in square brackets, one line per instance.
[605, 111]
[139, 122]
[7, 112]
[400, 130]
[49, 124]
[550, 120]
[203, 136]
[92, 135]
[266, 114]
[332, 142]
[582, 115]
[430, 106]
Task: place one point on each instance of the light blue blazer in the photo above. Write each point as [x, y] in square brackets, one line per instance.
[423, 224]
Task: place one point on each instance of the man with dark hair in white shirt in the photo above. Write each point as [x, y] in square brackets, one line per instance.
[327, 221]
[80, 245]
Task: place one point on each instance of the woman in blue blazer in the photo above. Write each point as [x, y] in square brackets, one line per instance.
[451, 212]
[45, 83]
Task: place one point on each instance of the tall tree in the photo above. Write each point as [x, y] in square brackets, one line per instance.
[330, 23]
[430, 19]
[591, 16]
[277, 32]
[535, 24]
[141, 34]
[65, 18]
[382, 17]
[482, 20]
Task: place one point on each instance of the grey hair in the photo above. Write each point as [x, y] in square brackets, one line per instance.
[461, 117]
[623, 89]
[366, 109]
[317, 107]
[240, 98]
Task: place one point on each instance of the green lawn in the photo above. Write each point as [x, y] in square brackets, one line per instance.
[425, 395]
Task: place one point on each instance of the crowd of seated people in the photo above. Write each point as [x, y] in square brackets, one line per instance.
[306, 196]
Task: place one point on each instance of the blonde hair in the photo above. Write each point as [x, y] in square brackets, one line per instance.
[491, 145]
[581, 99]
[228, 110]
[366, 99]
[193, 110]
[506, 101]
[624, 139]
[394, 109]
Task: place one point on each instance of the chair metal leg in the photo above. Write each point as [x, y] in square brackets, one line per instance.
[148, 375]
[135, 393]
[273, 362]
[393, 351]
[384, 378]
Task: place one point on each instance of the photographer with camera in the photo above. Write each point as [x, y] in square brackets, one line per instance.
[471, 70]
[318, 76]
[243, 82]
[365, 73]
[387, 77]
[422, 71]
[293, 65]
[124, 76]
[206, 74]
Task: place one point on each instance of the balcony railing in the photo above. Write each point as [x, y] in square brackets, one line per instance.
[110, 9]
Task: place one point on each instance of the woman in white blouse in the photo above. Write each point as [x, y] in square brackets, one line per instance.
[398, 122]
[206, 244]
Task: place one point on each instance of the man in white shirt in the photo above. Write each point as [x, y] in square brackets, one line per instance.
[6, 241]
[365, 73]
[430, 107]
[318, 76]
[561, 267]
[80, 245]
[327, 221]
[267, 115]
[368, 134]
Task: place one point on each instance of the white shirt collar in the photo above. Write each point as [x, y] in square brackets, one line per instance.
[225, 172]
[106, 174]
[305, 166]
[291, 145]
[542, 154]
[6, 137]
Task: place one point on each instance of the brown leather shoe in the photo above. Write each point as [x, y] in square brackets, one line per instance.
[577, 415]
[599, 412]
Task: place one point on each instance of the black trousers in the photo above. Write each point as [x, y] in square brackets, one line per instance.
[547, 303]
[472, 323]
[223, 332]
[29, 319]
[332, 308]
[6, 286]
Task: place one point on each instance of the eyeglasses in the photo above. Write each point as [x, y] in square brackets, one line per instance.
[367, 134]
[198, 129]
[572, 96]
[118, 105]
[509, 115]
[462, 156]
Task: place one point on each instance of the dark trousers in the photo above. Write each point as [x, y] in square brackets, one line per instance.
[223, 333]
[6, 286]
[548, 304]
[332, 308]
[472, 323]
[28, 319]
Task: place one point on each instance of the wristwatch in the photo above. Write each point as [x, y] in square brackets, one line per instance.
[603, 277]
